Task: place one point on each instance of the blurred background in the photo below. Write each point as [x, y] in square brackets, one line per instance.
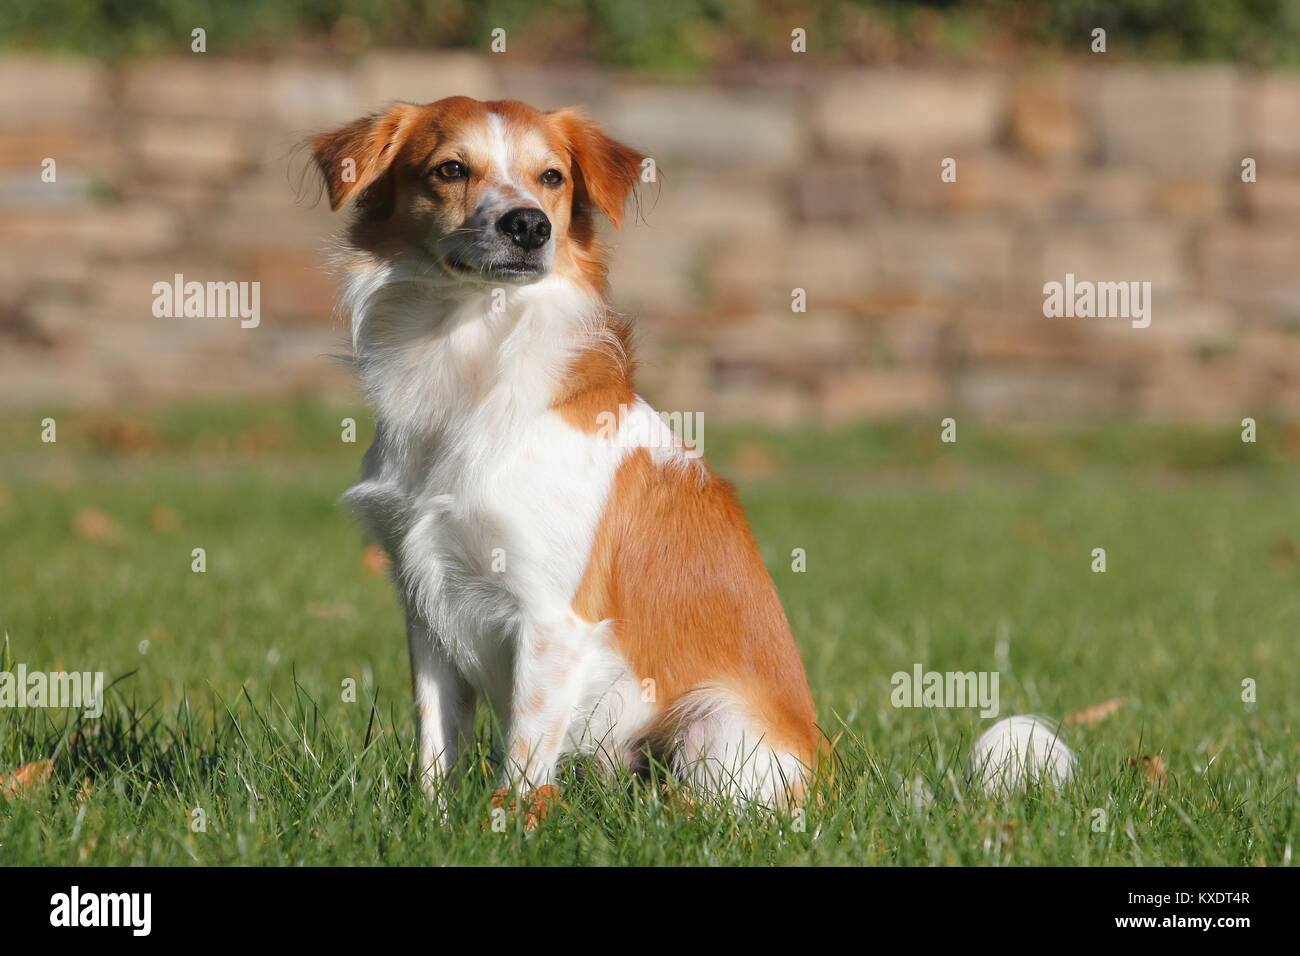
[778, 170]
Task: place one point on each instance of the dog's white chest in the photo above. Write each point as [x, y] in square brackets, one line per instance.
[489, 501]
[493, 530]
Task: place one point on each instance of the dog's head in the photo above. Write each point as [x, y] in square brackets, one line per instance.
[496, 192]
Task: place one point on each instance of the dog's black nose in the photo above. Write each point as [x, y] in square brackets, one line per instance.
[526, 226]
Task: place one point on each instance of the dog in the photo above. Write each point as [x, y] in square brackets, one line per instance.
[559, 553]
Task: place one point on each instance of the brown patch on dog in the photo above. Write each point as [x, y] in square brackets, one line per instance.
[598, 384]
[675, 567]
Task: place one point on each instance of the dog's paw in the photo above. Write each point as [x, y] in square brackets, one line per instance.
[536, 803]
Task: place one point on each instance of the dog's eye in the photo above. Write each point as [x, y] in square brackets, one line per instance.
[451, 170]
[552, 177]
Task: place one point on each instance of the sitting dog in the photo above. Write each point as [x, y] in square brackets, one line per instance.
[559, 552]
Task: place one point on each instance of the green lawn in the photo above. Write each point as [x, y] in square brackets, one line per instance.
[227, 685]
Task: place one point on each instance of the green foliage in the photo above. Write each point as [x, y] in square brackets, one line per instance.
[672, 36]
[1262, 31]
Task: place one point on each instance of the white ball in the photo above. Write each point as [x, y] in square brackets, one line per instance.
[1017, 750]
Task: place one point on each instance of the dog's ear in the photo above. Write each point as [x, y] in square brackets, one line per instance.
[605, 171]
[356, 159]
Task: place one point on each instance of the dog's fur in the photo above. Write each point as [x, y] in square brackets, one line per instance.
[598, 588]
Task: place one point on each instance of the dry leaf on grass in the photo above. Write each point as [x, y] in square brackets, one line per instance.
[1008, 832]
[25, 778]
[87, 848]
[374, 560]
[92, 524]
[1091, 716]
[1291, 439]
[122, 436]
[164, 518]
[265, 436]
[1030, 529]
[331, 612]
[1153, 764]
[1286, 553]
[754, 459]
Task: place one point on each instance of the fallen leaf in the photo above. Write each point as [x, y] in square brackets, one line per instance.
[1291, 439]
[26, 777]
[754, 458]
[946, 473]
[262, 437]
[87, 848]
[164, 518]
[331, 612]
[1154, 765]
[374, 560]
[92, 524]
[1029, 529]
[1091, 716]
[121, 436]
[1008, 835]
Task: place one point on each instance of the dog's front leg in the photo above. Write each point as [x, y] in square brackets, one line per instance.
[551, 662]
[444, 705]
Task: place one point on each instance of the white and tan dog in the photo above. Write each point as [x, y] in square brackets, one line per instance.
[598, 586]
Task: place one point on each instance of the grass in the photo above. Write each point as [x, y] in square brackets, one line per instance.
[227, 686]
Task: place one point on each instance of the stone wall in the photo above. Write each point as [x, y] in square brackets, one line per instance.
[924, 297]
